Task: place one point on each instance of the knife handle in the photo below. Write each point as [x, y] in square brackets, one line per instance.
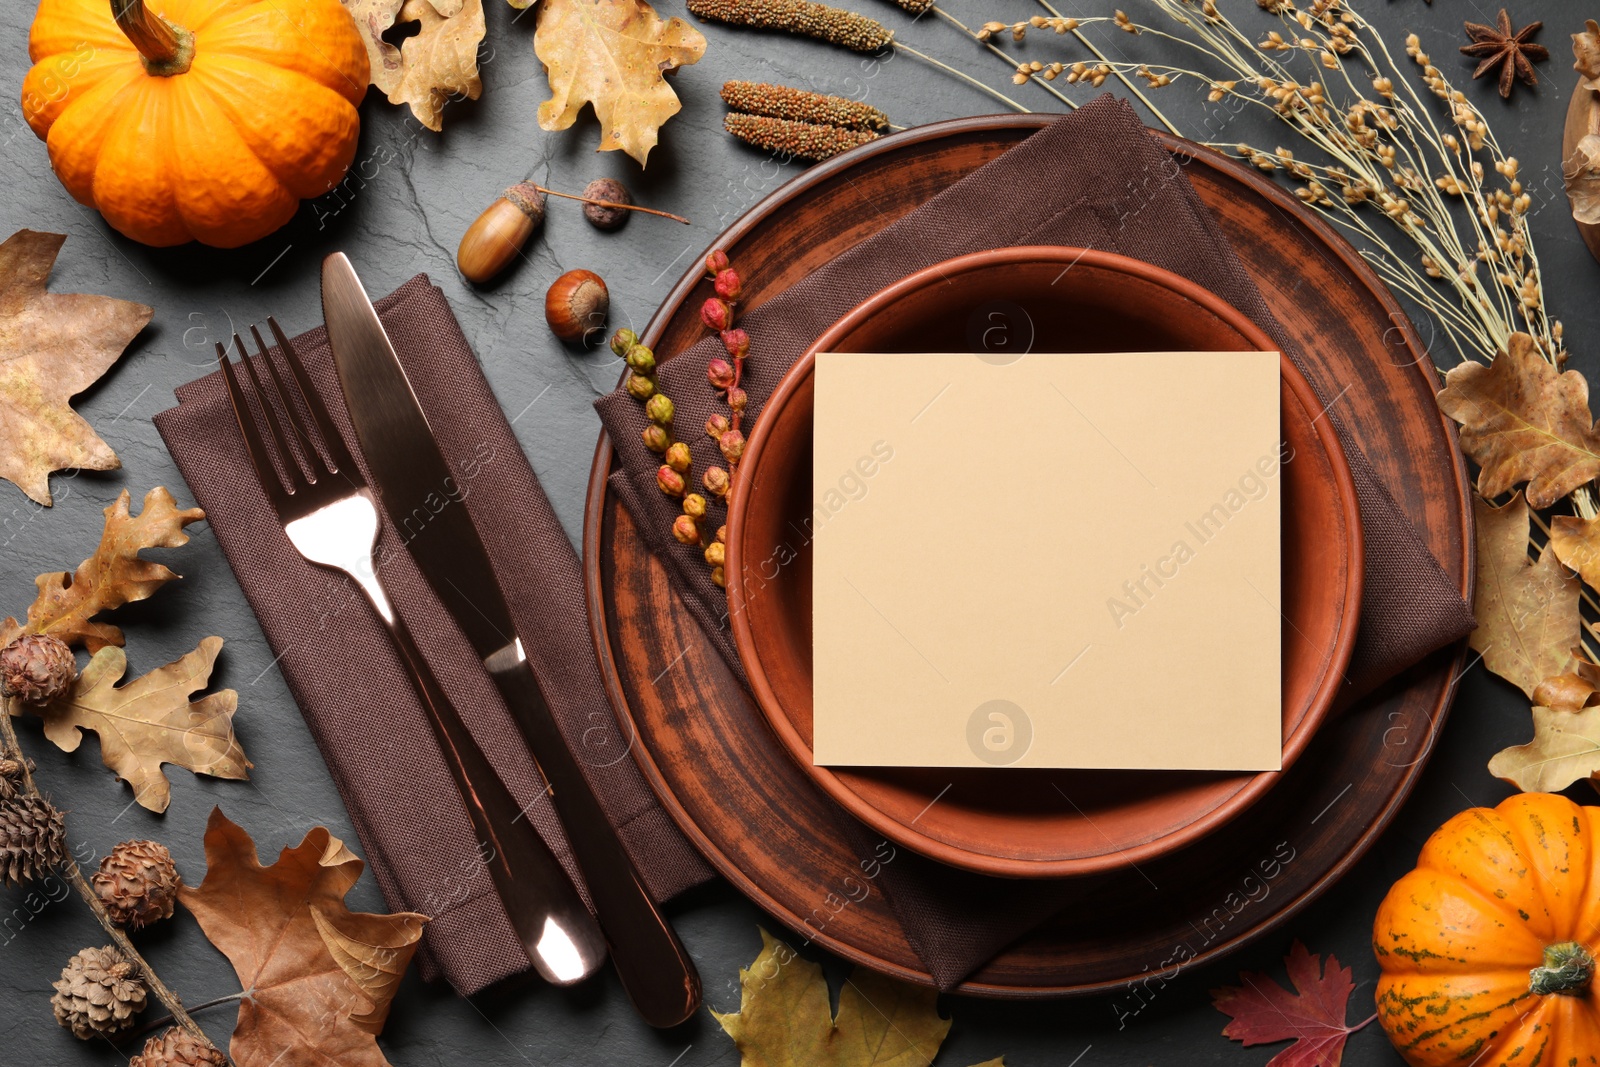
[654, 967]
[550, 919]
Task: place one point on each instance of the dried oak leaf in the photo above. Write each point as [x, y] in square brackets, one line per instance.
[1313, 1015]
[1523, 421]
[1577, 544]
[1565, 748]
[374, 18]
[1528, 621]
[436, 65]
[151, 721]
[318, 978]
[115, 575]
[784, 1018]
[614, 54]
[53, 346]
[1570, 692]
[1580, 173]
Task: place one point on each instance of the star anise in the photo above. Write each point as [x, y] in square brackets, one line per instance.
[1512, 52]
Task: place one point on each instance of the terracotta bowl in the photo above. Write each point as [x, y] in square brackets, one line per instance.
[1017, 822]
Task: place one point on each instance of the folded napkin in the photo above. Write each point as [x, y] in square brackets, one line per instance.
[1133, 200]
[354, 691]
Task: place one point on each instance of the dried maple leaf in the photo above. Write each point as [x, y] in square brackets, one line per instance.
[53, 346]
[151, 721]
[437, 64]
[115, 575]
[1565, 748]
[1528, 622]
[315, 974]
[784, 1018]
[1313, 1015]
[615, 55]
[1522, 420]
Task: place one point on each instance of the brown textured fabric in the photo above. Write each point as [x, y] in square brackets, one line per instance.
[1134, 201]
[349, 681]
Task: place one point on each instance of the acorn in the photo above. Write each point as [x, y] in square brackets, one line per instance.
[603, 216]
[496, 237]
[576, 304]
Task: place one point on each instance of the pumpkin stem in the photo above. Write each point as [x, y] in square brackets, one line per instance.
[1568, 969]
[167, 49]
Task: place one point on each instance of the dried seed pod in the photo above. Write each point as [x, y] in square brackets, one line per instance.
[678, 457]
[496, 237]
[602, 217]
[684, 529]
[801, 140]
[37, 668]
[576, 305]
[138, 883]
[835, 25]
[800, 105]
[175, 1047]
[33, 836]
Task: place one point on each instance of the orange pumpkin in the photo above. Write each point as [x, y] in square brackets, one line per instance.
[205, 120]
[1488, 948]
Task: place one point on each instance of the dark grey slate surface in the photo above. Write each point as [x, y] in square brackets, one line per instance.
[421, 192]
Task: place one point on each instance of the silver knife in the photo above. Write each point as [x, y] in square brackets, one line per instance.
[423, 499]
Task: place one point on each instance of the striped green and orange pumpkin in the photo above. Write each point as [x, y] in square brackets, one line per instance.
[1488, 948]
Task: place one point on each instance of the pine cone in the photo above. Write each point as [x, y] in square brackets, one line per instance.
[137, 883]
[98, 994]
[37, 668]
[175, 1048]
[32, 836]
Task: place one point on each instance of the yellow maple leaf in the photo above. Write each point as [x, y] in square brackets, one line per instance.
[613, 54]
[784, 1018]
[1528, 620]
[53, 346]
[150, 721]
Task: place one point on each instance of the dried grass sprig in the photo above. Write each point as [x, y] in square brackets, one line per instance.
[802, 140]
[800, 105]
[835, 25]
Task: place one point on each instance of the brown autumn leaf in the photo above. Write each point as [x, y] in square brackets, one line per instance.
[785, 1020]
[437, 64]
[318, 977]
[615, 55]
[1577, 544]
[1580, 172]
[1586, 55]
[1524, 421]
[1570, 691]
[115, 575]
[374, 18]
[1565, 748]
[53, 346]
[151, 721]
[1528, 622]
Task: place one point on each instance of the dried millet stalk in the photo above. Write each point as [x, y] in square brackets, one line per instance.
[856, 32]
[798, 105]
[803, 140]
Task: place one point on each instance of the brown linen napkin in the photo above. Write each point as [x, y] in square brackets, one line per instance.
[1135, 201]
[349, 681]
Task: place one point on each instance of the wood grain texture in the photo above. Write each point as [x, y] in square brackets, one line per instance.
[739, 797]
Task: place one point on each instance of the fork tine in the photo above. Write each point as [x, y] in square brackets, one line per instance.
[298, 479]
[331, 437]
[266, 472]
[320, 467]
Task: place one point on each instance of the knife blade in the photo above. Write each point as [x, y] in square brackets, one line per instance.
[427, 506]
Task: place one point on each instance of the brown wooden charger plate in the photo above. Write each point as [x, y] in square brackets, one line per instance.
[735, 792]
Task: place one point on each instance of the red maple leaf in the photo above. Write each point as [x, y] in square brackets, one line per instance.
[1263, 1011]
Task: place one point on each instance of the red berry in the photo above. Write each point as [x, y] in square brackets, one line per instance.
[716, 262]
[720, 373]
[727, 284]
[684, 529]
[737, 342]
[716, 314]
[737, 398]
[670, 481]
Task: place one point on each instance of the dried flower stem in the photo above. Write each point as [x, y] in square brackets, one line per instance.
[901, 46]
[163, 992]
[964, 28]
[611, 203]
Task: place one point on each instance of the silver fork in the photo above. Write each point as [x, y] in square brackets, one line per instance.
[331, 518]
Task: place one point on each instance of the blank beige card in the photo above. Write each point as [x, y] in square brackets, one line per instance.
[1058, 561]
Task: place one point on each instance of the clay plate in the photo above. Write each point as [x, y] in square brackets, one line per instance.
[1038, 823]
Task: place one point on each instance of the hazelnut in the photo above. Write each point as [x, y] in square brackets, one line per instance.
[612, 191]
[496, 237]
[576, 305]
